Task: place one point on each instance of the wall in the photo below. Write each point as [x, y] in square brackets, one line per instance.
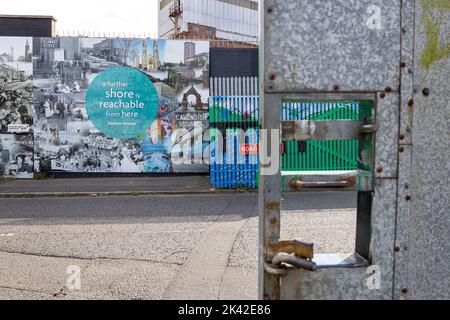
[44, 87]
[229, 62]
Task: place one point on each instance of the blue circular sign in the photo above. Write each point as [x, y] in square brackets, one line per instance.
[122, 103]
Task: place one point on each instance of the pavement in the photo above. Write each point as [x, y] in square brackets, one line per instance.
[106, 186]
[201, 246]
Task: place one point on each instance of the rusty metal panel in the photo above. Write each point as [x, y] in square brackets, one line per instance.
[343, 283]
[386, 145]
[429, 225]
[407, 72]
[312, 130]
[269, 197]
[402, 225]
[339, 45]
[356, 180]
[330, 284]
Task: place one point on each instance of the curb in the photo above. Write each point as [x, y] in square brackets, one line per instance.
[29, 195]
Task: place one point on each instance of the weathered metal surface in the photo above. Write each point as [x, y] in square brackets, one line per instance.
[330, 284]
[386, 145]
[407, 71]
[339, 45]
[402, 226]
[410, 221]
[339, 260]
[269, 199]
[305, 130]
[298, 248]
[383, 230]
[429, 225]
[346, 283]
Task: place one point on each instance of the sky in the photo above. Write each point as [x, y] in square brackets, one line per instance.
[93, 17]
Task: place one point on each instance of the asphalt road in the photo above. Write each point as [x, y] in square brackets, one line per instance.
[154, 247]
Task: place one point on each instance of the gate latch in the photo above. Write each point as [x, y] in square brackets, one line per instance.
[290, 253]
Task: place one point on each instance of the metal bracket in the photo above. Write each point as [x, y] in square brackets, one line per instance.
[305, 130]
[288, 259]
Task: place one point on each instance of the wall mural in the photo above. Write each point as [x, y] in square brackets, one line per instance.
[105, 105]
[15, 85]
[16, 156]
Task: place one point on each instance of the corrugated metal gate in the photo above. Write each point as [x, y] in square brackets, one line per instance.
[234, 115]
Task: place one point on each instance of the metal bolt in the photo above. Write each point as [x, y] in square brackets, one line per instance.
[269, 10]
[402, 137]
[405, 290]
[410, 102]
[388, 89]
[408, 198]
[336, 87]
[272, 76]
[397, 249]
[382, 95]
[401, 149]
[402, 64]
[379, 170]
[426, 92]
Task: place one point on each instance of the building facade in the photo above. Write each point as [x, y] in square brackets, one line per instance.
[234, 20]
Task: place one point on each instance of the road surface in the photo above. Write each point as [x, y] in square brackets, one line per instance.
[154, 247]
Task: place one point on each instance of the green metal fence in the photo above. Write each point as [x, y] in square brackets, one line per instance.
[320, 155]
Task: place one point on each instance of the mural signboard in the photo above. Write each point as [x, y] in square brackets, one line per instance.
[96, 105]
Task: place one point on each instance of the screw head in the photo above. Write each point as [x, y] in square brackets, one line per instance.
[269, 10]
[408, 198]
[272, 76]
[403, 64]
[404, 290]
[382, 95]
[401, 149]
[336, 87]
[397, 249]
[410, 102]
[388, 89]
[402, 137]
[426, 92]
[379, 170]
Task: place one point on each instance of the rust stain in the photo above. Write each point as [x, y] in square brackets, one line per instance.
[273, 206]
[300, 249]
[351, 182]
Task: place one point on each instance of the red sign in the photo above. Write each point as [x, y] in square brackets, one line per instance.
[249, 149]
